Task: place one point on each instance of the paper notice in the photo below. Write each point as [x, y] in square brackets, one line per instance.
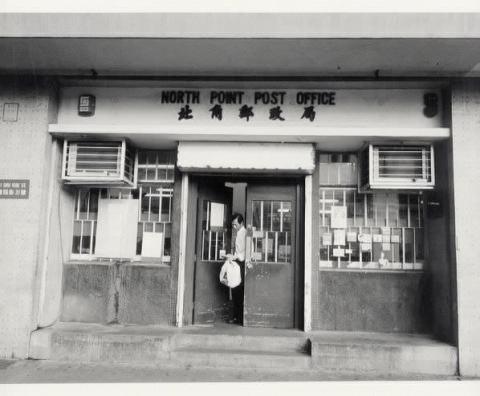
[327, 239]
[339, 237]
[395, 238]
[216, 215]
[377, 238]
[365, 247]
[385, 230]
[351, 236]
[386, 238]
[337, 252]
[339, 217]
[386, 247]
[365, 238]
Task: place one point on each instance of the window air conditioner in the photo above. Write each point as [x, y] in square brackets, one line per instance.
[98, 163]
[403, 167]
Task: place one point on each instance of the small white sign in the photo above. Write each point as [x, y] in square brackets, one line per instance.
[377, 238]
[339, 217]
[217, 215]
[152, 244]
[327, 239]
[337, 252]
[339, 237]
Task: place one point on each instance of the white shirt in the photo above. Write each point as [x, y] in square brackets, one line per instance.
[240, 244]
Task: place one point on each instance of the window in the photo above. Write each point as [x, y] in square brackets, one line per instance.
[378, 230]
[154, 197]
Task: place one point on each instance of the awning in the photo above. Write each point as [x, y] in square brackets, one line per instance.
[246, 157]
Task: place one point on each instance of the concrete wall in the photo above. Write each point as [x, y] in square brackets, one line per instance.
[25, 151]
[466, 176]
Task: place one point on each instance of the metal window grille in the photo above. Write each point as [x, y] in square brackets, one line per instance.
[85, 223]
[214, 239]
[155, 215]
[156, 166]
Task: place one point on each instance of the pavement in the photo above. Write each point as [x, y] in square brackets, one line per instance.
[46, 371]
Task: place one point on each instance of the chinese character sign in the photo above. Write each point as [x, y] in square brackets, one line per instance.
[14, 188]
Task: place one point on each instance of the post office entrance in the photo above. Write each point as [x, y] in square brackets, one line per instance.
[273, 284]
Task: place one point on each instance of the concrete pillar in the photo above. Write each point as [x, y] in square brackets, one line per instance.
[466, 182]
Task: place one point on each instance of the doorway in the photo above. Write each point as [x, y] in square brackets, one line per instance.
[273, 285]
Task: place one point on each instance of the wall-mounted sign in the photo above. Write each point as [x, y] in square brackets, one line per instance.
[14, 188]
[86, 105]
[236, 106]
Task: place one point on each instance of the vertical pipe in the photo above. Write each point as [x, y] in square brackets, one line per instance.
[183, 250]
[307, 303]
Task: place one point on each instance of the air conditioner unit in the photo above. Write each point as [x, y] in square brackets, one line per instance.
[403, 167]
[98, 163]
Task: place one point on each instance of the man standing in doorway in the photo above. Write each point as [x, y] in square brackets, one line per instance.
[239, 257]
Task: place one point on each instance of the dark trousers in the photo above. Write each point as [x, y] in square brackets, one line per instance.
[237, 295]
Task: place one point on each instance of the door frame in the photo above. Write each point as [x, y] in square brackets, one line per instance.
[187, 245]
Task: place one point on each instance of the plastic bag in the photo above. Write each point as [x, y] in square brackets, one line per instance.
[230, 274]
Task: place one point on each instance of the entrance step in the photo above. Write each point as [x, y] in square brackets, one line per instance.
[242, 359]
[382, 354]
[346, 353]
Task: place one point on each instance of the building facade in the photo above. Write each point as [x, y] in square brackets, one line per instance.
[352, 160]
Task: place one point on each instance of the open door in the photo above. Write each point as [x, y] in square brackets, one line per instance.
[270, 283]
[211, 298]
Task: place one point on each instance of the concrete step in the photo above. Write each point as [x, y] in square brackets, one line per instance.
[242, 342]
[241, 359]
[383, 354]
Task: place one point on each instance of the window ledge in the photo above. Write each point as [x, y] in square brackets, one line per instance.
[373, 270]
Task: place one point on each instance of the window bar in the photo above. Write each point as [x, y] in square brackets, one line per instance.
[271, 215]
[286, 244]
[169, 208]
[81, 237]
[387, 224]
[209, 245]
[408, 210]
[88, 204]
[207, 223]
[91, 238]
[281, 216]
[203, 244]
[216, 246]
[160, 205]
[323, 208]
[149, 203]
[354, 208]
[365, 208]
[77, 214]
[414, 248]
[261, 215]
[419, 213]
[360, 251]
[276, 246]
[403, 247]
[156, 167]
[266, 246]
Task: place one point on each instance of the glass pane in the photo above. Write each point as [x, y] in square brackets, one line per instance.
[414, 215]
[148, 227]
[139, 238]
[409, 245]
[359, 209]
[87, 230]
[350, 196]
[162, 174]
[93, 205]
[256, 210]
[142, 174]
[166, 204]
[145, 201]
[270, 244]
[77, 227]
[419, 254]
[276, 215]
[287, 216]
[154, 208]
[267, 215]
[151, 174]
[151, 157]
[84, 195]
